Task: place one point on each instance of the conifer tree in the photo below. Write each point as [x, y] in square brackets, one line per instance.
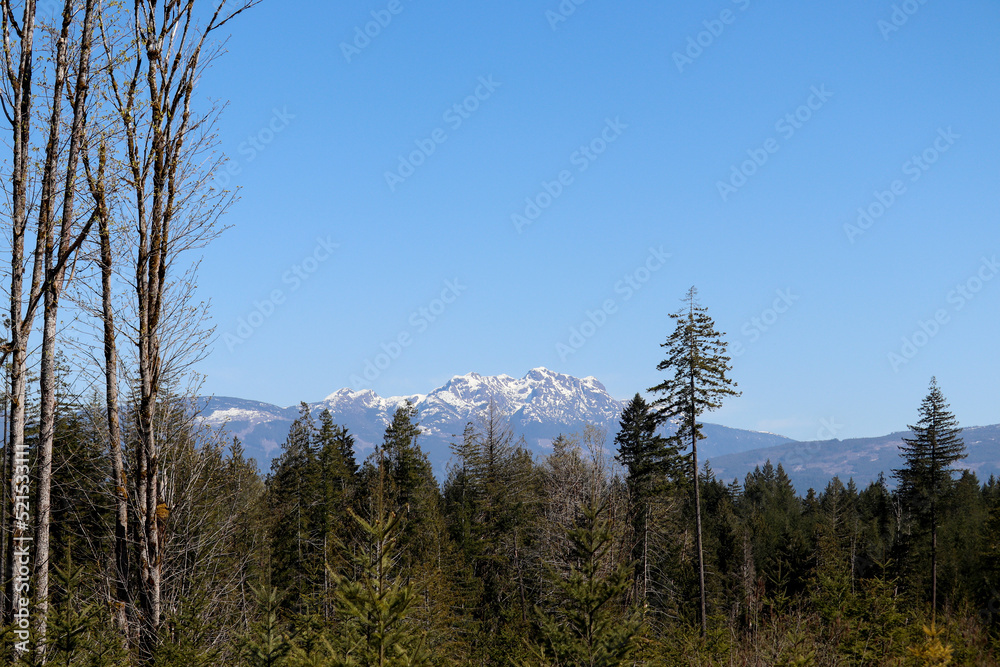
[587, 626]
[926, 480]
[337, 477]
[293, 489]
[375, 605]
[696, 357]
[70, 623]
[648, 460]
[267, 644]
[410, 487]
[645, 455]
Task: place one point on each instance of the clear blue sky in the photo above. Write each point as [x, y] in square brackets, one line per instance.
[833, 104]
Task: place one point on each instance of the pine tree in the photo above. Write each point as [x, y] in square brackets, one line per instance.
[375, 605]
[293, 490]
[648, 461]
[696, 355]
[490, 495]
[410, 487]
[338, 470]
[267, 644]
[588, 626]
[927, 479]
[399, 478]
[70, 622]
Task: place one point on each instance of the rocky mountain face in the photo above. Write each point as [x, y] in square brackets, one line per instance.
[543, 404]
[540, 406]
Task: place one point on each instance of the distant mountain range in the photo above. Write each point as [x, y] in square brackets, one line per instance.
[540, 406]
[814, 464]
[543, 404]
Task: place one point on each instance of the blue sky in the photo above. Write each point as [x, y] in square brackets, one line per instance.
[739, 138]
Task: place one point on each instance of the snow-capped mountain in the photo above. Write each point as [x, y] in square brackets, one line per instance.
[540, 406]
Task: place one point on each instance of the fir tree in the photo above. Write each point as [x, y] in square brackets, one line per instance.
[696, 357]
[646, 456]
[491, 488]
[337, 478]
[293, 489]
[410, 487]
[648, 460]
[926, 480]
[588, 626]
[70, 623]
[267, 644]
[375, 605]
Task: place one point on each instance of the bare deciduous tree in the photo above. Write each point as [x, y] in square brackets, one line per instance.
[172, 210]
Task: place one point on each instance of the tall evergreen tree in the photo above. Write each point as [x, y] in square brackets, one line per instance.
[266, 644]
[926, 480]
[337, 477]
[696, 356]
[492, 501]
[293, 491]
[410, 487]
[646, 456]
[648, 460]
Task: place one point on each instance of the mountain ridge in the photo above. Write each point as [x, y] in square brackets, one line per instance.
[813, 464]
[540, 405]
[544, 404]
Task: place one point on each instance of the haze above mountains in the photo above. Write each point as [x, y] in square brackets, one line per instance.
[543, 404]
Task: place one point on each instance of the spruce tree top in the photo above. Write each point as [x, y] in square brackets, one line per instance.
[936, 444]
[696, 355]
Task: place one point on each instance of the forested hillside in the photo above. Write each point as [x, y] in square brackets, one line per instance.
[325, 560]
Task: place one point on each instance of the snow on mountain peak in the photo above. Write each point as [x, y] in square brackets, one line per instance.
[541, 395]
[539, 406]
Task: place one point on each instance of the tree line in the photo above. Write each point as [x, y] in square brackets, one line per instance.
[589, 555]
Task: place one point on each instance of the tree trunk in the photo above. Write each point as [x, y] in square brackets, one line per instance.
[697, 514]
[20, 76]
[57, 254]
[121, 600]
[933, 575]
[697, 509]
[50, 317]
[4, 471]
[645, 561]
